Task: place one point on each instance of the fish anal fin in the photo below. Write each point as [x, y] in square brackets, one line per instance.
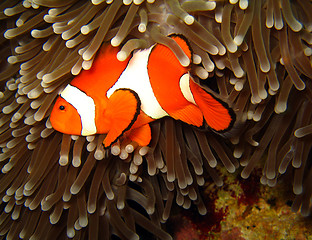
[190, 114]
[216, 113]
[123, 108]
[141, 135]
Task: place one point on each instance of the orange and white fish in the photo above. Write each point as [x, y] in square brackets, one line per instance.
[123, 97]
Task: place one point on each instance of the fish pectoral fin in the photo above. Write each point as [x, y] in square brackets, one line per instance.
[218, 115]
[122, 110]
[142, 135]
[190, 114]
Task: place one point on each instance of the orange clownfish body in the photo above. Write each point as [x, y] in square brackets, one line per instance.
[116, 97]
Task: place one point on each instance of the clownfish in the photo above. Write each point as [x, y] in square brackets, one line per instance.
[122, 97]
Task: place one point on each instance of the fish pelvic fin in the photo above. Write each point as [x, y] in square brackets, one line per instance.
[141, 135]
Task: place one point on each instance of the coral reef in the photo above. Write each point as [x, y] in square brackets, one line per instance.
[256, 55]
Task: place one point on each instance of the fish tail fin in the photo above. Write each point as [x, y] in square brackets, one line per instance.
[217, 114]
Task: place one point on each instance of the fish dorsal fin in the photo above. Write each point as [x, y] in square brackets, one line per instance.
[183, 43]
[123, 108]
[105, 71]
[165, 71]
[163, 55]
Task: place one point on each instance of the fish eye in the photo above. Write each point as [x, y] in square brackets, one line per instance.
[62, 107]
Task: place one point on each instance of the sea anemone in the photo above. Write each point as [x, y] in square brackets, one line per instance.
[256, 55]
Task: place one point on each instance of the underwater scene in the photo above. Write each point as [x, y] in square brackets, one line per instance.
[156, 119]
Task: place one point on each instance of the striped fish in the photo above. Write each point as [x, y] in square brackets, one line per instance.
[122, 97]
